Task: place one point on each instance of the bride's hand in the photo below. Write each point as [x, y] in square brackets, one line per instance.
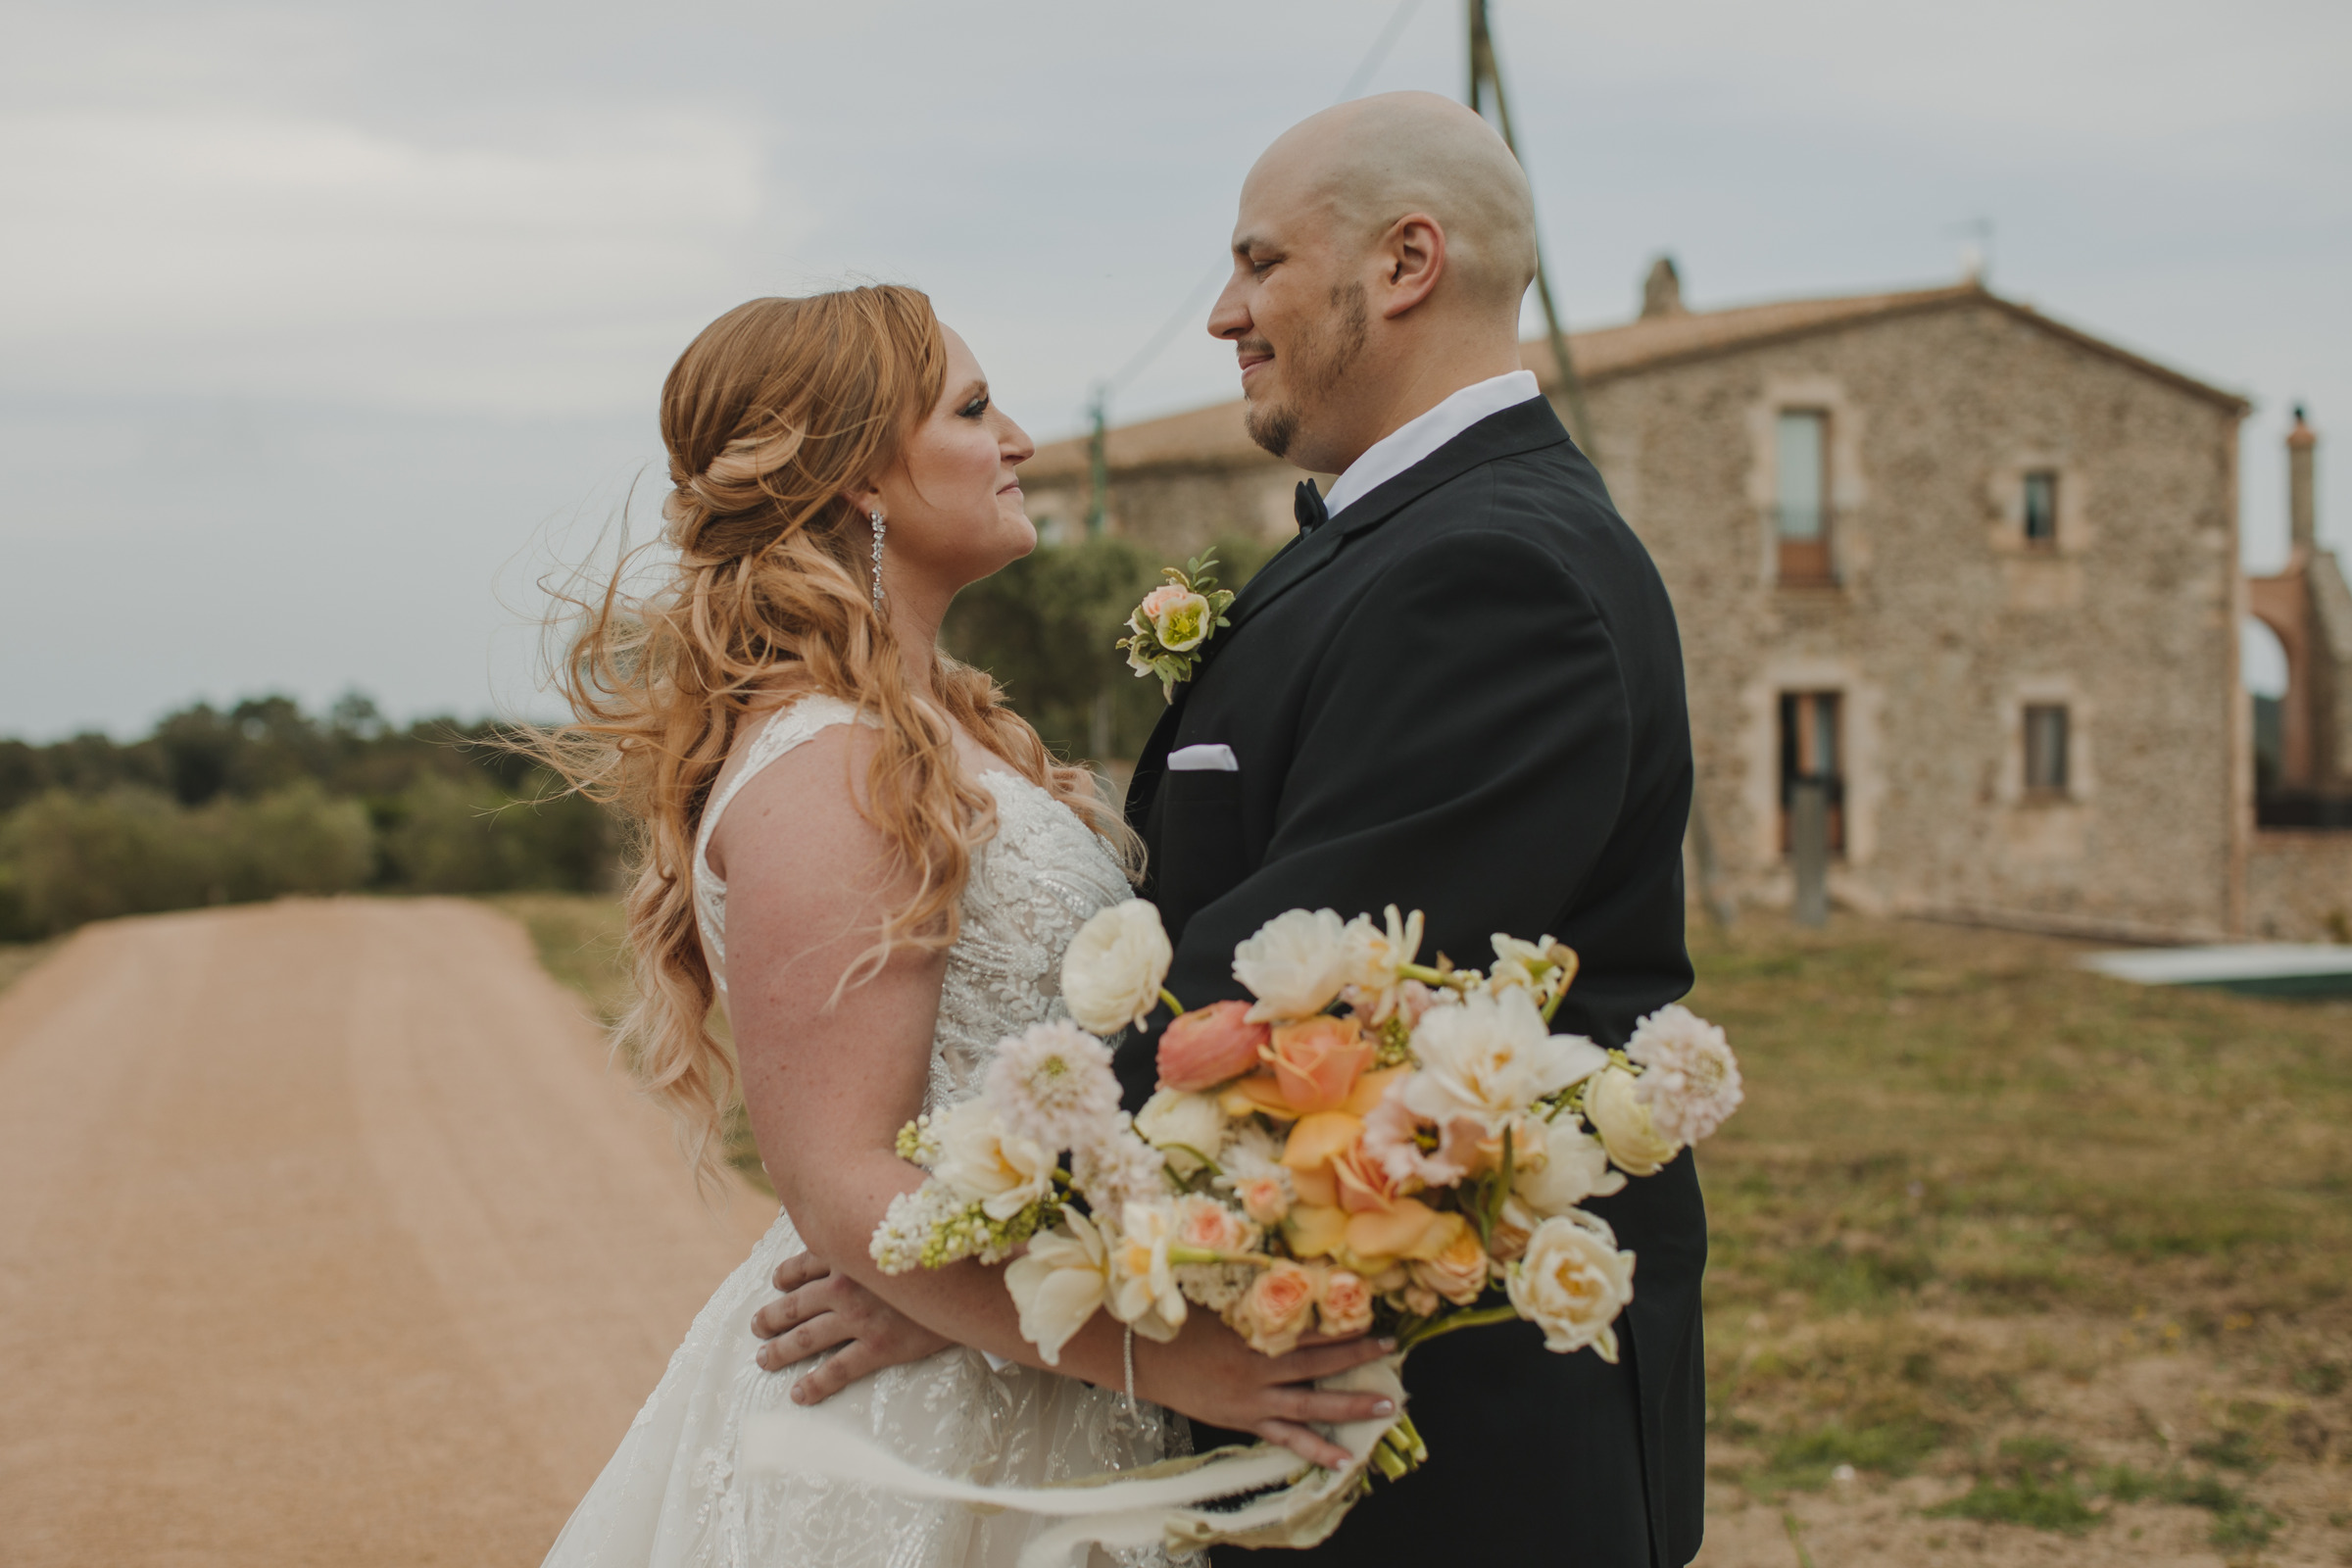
[1211, 1374]
[820, 1309]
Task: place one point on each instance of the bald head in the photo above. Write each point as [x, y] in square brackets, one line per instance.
[1368, 163]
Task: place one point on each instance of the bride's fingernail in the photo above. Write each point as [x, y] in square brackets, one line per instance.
[1387, 1345]
[1384, 1407]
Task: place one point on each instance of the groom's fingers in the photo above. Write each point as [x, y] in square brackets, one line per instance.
[783, 1315]
[820, 1333]
[801, 1268]
[855, 1360]
[1307, 1445]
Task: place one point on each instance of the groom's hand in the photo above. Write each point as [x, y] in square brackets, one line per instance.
[820, 1309]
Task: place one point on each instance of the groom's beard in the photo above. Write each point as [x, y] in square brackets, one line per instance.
[1322, 355]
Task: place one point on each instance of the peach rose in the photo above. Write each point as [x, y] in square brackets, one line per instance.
[1263, 1199]
[1344, 1305]
[1277, 1308]
[1210, 1226]
[1458, 1272]
[1316, 1061]
[1421, 1301]
[1161, 600]
[1207, 1046]
[1364, 1183]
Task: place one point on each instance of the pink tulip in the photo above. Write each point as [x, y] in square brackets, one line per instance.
[1208, 1046]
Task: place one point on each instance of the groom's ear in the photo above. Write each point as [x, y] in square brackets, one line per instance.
[1413, 258]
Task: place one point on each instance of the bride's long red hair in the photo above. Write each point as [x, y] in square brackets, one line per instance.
[775, 412]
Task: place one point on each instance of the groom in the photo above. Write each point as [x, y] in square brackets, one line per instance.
[1458, 689]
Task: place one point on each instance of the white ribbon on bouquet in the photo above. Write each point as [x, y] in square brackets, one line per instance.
[1158, 1504]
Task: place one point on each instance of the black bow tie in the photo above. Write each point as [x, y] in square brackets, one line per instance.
[1309, 508]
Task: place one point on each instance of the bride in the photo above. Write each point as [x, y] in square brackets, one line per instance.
[886, 865]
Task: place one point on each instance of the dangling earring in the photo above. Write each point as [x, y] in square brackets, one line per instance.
[876, 517]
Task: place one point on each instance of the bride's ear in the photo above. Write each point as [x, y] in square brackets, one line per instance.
[866, 499]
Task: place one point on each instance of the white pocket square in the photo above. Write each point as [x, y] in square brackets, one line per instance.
[1203, 760]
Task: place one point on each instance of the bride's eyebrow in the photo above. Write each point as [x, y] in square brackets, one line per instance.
[979, 389]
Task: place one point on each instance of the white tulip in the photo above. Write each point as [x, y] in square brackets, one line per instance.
[1614, 1106]
[1186, 1128]
[1114, 969]
[1059, 1283]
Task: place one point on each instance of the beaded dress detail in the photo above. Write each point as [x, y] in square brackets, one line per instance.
[672, 1496]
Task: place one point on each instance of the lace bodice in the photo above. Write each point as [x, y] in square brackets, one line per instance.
[674, 1496]
[1031, 885]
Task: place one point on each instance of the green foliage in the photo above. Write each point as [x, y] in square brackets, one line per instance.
[263, 800]
[1047, 627]
[1805, 1461]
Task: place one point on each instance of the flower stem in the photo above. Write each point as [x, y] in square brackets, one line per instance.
[1478, 1318]
[1169, 996]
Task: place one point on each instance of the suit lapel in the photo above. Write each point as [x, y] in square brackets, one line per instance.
[1523, 428]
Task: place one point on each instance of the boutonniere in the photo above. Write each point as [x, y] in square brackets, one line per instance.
[1174, 622]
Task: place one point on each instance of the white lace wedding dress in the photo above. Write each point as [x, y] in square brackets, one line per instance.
[674, 1496]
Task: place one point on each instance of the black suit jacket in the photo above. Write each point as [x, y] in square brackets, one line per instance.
[1465, 695]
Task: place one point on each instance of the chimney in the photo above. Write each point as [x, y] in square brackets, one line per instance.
[1662, 290]
[2301, 515]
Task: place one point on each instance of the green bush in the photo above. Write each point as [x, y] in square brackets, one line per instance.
[71, 859]
[1045, 627]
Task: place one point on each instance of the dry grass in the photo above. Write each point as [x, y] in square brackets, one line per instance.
[2007, 1256]
[2053, 1268]
[582, 942]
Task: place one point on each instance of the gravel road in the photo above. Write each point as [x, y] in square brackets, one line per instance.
[327, 1235]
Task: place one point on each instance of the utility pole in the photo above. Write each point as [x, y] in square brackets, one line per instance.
[1098, 458]
[1486, 79]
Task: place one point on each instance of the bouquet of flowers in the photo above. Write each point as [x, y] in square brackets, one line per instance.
[1371, 1144]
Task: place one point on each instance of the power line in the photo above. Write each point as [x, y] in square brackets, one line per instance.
[1374, 58]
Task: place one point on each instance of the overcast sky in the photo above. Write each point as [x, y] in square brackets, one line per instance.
[324, 328]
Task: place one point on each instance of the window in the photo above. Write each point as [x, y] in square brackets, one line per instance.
[2045, 749]
[1809, 755]
[1802, 511]
[2041, 509]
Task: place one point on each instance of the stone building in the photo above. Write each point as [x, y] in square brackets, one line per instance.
[1974, 569]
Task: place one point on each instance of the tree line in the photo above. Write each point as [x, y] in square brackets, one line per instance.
[261, 799]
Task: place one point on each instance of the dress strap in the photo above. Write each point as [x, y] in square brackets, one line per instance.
[786, 728]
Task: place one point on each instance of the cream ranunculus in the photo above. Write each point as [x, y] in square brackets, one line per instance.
[1186, 1129]
[1489, 1057]
[1180, 622]
[1144, 1293]
[1572, 1283]
[1003, 1172]
[1059, 1283]
[1614, 1108]
[1295, 964]
[1557, 1165]
[1114, 969]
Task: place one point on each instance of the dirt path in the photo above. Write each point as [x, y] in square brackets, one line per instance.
[326, 1236]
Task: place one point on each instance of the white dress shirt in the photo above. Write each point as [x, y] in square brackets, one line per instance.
[1390, 456]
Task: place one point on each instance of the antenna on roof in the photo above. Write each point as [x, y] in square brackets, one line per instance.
[1976, 257]
[1486, 76]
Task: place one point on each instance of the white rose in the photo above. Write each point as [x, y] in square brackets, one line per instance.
[1560, 1166]
[1296, 964]
[1571, 1282]
[1002, 1171]
[1144, 1293]
[1114, 969]
[1490, 1058]
[1186, 1128]
[1614, 1108]
[1059, 1283]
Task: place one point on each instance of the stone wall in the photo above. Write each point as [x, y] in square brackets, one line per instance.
[1944, 624]
[2299, 886]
